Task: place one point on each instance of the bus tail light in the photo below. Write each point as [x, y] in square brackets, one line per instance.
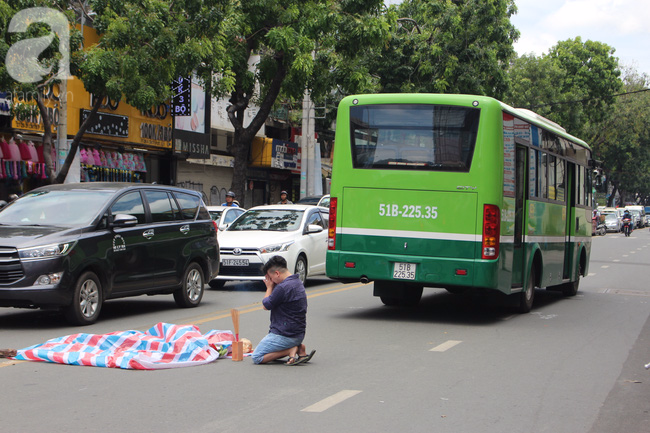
[331, 231]
[491, 231]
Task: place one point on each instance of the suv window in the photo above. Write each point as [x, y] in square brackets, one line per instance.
[189, 205]
[160, 206]
[130, 204]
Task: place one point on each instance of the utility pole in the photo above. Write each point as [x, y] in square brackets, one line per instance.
[310, 169]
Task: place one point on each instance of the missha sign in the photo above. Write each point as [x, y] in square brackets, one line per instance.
[194, 145]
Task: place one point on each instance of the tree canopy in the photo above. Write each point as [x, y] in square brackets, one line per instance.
[460, 46]
[573, 85]
[622, 140]
[301, 44]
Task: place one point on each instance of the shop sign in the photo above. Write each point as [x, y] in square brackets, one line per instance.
[193, 144]
[28, 116]
[5, 105]
[182, 99]
[215, 160]
[153, 134]
[284, 155]
[112, 125]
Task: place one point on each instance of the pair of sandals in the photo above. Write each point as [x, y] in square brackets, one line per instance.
[295, 360]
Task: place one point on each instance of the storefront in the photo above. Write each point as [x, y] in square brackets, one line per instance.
[281, 159]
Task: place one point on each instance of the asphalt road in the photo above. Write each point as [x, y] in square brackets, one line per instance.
[453, 364]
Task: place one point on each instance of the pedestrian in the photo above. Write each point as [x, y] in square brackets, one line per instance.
[285, 297]
[230, 200]
[283, 198]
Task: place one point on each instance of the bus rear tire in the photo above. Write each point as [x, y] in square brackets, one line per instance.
[412, 296]
[389, 301]
[526, 297]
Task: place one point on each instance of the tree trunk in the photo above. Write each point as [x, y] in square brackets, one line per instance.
[610, 201]
[243, 137]
[47, 140]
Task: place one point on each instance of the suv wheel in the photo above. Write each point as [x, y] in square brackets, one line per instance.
[191, 291]
[86, 302]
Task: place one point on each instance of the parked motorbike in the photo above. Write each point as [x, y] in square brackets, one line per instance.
[627, 226]
[601, 229]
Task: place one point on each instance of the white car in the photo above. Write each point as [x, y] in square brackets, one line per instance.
[296, 232]
[224, 215]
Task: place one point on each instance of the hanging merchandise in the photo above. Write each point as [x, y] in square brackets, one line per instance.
[24, 151]
[109, 166]
[32, 151]
[39, 153]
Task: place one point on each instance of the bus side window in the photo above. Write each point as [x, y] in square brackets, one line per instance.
[542, 175]
[532, 174]
[551, 177]
[559, 180]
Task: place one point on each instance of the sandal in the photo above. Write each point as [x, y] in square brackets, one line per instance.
[307, 358]
[295, 360]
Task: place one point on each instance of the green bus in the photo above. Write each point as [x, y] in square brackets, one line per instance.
[456, 192]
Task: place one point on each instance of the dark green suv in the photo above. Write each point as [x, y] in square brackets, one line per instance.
[73, 246]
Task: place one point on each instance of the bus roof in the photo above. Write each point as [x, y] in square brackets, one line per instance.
[543, 122]
[454, 99]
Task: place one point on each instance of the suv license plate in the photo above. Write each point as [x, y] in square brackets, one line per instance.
[235, 262]
[404, 271]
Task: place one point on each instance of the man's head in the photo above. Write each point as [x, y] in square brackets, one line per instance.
[230, 196]
[283, 195]
[275, 269]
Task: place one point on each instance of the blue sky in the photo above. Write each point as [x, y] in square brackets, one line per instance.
[621, 24]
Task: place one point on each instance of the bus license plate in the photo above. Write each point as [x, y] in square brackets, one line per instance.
[235, 262]
[404, 271]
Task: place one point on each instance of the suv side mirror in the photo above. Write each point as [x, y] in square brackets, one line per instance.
[124, 220]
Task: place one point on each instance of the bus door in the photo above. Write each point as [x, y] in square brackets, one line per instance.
[520, 210]
[571, 220]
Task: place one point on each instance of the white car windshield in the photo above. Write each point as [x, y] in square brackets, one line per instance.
[55, 208]
[276, 220]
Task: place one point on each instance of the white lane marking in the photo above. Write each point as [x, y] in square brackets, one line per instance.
[616, 260]
[445, 346]
[330, 401]
[605, 266]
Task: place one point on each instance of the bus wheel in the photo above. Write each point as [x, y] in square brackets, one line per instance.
[526, 297]
[389, 301]
[412, 296]
[456, 290]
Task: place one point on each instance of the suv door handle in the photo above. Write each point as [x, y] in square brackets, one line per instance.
[148, 233]
[185, 229]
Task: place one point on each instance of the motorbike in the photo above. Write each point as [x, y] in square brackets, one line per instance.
[601, 229]
[627, 226]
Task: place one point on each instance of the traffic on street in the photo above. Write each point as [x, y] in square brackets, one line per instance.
[453, 363]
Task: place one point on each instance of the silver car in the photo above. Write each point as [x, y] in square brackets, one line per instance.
[613, 223]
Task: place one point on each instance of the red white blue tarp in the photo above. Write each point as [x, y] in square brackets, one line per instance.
[163, 346]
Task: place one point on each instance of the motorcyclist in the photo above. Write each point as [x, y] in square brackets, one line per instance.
[627, 218]
[230, 200]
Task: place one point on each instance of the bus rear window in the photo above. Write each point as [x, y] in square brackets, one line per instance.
[413, 136]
